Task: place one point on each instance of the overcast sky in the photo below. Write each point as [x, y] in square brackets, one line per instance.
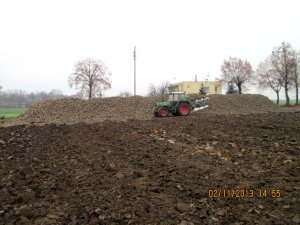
[40, 41]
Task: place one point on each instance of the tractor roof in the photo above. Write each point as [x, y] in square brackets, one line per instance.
[176, 92]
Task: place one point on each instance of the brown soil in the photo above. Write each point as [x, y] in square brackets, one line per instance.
[237, 104]
[72, 111]
[156, 171]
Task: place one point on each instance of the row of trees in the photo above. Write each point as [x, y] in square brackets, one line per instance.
[280, 70]
[16, 97]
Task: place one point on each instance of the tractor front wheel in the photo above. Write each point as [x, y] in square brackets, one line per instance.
[163, 111]
[183, 109]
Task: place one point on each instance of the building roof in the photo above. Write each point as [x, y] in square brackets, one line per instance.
[176, 92]
[178, 83]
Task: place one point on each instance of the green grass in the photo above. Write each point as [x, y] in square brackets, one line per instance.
[9, 113]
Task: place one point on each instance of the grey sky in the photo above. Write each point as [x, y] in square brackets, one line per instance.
[40, 41]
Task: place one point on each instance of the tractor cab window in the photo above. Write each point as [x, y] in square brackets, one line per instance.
[176, 97]
[181, 97]
[173, 97]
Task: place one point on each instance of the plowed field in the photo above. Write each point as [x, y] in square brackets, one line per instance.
[200, 169]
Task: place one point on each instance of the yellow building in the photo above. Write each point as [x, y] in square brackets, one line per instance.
[193, 87]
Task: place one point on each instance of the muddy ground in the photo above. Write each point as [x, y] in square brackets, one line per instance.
[158, 171]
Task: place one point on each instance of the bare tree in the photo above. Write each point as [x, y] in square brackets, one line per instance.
[283, 60]
[152, 90]
[238, 72]
[268, 77]
[90, 77]
[162, 89]
[78, 94]
[296, 77]
[55, 94]
[125, 94]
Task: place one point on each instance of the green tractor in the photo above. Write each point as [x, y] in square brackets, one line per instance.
[177, 105]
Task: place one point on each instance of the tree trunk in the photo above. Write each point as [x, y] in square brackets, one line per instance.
[286, 90]
[297, 95]
[297, 84]
[90, 92]
[277, 93]
[240, 88]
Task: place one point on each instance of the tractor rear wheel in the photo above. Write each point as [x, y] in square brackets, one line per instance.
[163, 111]
[183, 109]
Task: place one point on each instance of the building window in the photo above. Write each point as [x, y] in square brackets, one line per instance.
[216, 89]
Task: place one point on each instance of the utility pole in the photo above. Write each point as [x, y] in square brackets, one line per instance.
[134, 59]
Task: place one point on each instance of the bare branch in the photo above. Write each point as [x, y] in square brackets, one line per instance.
[284, 62]
[237, 71]
[268, 77]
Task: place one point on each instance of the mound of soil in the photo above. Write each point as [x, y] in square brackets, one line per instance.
[177, 170]
[94, 110]
[237, 104]
[120, 109]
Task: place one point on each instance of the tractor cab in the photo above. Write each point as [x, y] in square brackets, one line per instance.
[177, 96]
[177, 105]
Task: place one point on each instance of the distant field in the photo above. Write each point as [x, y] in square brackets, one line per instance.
[9, 113]
[282, 102]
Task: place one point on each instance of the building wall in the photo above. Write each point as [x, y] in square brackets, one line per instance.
[190, 87]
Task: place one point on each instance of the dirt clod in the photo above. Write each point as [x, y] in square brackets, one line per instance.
[24, 211]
